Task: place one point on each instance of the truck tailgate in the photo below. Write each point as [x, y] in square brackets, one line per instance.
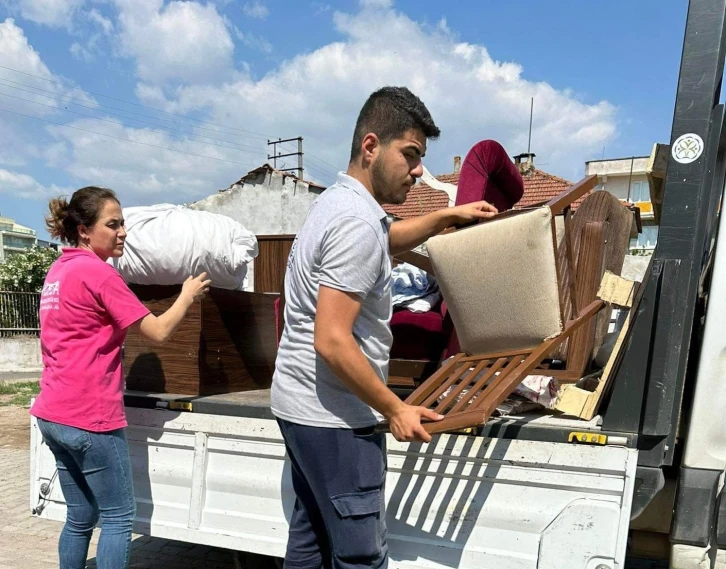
[461, 501]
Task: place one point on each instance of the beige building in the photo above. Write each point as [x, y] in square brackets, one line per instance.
[627, 179]
[15, 239]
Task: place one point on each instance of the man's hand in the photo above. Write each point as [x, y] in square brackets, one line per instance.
[471, 212]
[405, 423]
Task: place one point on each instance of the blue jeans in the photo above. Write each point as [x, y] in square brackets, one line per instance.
[94, 470]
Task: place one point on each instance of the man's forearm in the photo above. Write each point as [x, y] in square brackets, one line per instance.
[410, 233]
[346, 360]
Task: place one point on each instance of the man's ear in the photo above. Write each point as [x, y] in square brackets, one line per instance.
[370, 147]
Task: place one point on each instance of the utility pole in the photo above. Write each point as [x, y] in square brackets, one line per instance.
[275, 155]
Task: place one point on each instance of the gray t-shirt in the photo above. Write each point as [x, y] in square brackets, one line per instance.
[343, 244]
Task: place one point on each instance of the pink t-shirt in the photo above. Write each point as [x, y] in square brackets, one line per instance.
[85, 309]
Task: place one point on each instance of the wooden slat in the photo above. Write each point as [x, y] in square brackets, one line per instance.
[450, 399]
[495, 355]
[590, 267]
[572, 194]
[432, 399]
[571, 267]
[480, 384]
[430, 385]
[498, 393]
[479, 411]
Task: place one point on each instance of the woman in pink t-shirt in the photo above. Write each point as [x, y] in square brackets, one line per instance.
[85, 310]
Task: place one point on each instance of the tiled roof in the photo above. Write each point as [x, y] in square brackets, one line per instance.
[421, 199]
[539, 187]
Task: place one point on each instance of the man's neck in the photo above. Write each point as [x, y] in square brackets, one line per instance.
[363, 176]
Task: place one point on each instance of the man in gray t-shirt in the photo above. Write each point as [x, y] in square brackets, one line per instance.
[329, 388]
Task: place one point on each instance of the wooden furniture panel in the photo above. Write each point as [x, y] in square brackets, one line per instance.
[271, 262]
[227, 343]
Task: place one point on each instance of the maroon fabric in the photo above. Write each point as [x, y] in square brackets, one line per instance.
[489, 174]
[418, 336]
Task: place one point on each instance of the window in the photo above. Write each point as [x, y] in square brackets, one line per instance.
[639, 192]
[647, 239]
[20, 242]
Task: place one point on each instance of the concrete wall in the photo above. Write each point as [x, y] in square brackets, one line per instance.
[20, 353]
[268, 203]
[619, 166]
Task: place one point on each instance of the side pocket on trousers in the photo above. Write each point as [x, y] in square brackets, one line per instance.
[359, 528]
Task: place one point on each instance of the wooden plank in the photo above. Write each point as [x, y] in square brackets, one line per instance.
[481, 384]
[572, 194]
[585, 404]
[407, 368]
[430, 385]
[271, 262]
[432, 400]
[590, 267]
[450, 399]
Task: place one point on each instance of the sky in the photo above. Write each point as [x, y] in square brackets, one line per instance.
[170, 101]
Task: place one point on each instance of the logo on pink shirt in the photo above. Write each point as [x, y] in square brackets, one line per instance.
[50, 296]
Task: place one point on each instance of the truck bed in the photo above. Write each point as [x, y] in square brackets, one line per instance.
[458, 502]
[536, 426]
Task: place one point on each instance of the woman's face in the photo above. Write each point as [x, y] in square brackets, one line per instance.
[106, 237]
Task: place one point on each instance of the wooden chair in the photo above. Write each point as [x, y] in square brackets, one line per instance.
[518, 287]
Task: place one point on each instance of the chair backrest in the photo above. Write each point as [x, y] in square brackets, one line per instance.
[501, 280]
[500, 283]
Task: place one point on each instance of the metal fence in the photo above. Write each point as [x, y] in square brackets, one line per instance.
[19, 313]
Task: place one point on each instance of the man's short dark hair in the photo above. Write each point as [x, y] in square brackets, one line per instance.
[389, 113]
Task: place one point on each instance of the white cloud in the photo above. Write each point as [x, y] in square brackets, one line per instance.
[471, 96]
[104, 23]
[163, 168]
[35, 91]
[25, 186]
[256, 10]
[53, 13]
[80, 52]
[316, 95]
[180, 41]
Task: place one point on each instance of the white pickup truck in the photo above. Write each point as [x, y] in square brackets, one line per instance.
[515, 493]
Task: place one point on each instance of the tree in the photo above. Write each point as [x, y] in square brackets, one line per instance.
[26, 272]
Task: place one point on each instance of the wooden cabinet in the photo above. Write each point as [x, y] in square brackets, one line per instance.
[227, 343]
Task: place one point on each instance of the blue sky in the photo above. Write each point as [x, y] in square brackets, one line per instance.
[171, 101]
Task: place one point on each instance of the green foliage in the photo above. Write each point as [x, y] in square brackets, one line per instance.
[26, 272]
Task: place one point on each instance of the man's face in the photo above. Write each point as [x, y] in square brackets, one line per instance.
[397, 166]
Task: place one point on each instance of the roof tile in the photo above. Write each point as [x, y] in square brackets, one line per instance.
[539, 187]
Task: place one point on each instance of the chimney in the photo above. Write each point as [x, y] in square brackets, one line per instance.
[457, 164]
[525, 162]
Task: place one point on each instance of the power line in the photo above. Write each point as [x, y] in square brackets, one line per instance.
[246, 165]
[64, 98]
[188, 135]
[70, 86]
[334, 167]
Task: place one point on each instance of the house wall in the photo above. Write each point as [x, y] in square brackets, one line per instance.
[268, 204]
[618, 185]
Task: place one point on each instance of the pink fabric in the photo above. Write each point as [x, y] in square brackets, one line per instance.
[489, 174]
[85, 310]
